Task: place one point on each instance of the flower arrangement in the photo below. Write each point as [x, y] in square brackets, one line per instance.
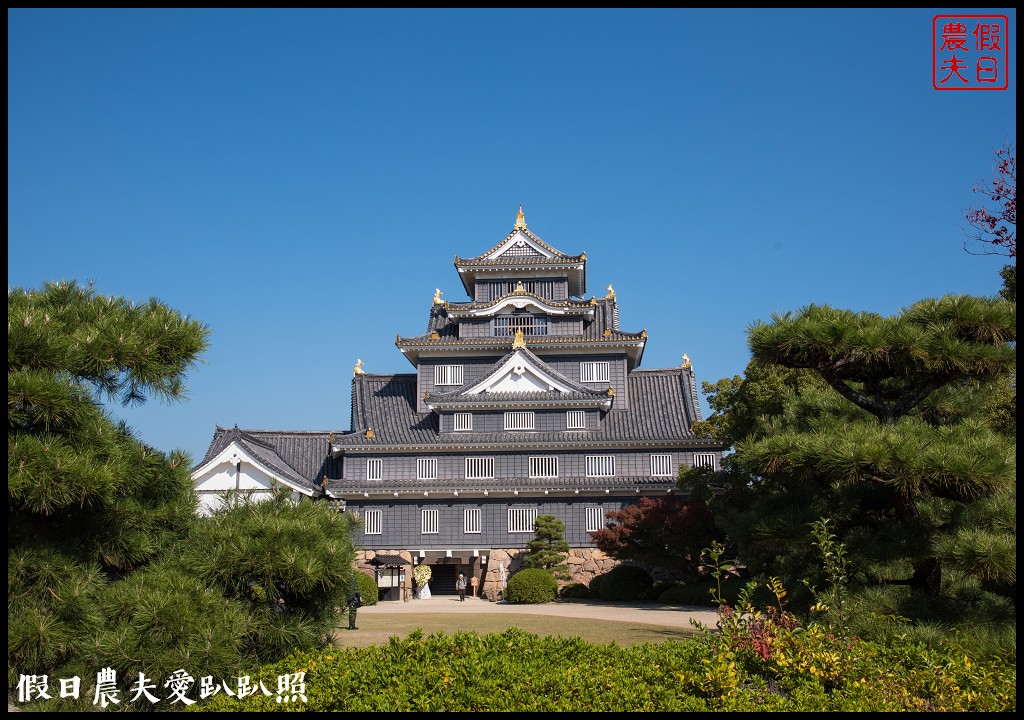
[422, 574]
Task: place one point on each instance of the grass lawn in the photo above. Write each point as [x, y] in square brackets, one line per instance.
[377, 629]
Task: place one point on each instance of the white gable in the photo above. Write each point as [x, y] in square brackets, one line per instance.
[519, 244]
[223, 473]
[520, 373]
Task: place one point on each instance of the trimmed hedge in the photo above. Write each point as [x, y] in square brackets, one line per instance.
[624, 582]
[517, 671]
[367, 588]
[531, 586]
[575, 590]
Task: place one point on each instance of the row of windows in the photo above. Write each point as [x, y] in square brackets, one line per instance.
[528, 324]
[520, 520]
[590, 372]
[482, 468]
[522, 420]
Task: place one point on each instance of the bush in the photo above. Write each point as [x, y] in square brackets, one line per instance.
[531, 586]
[700, 592]
[595, 586]
[625, 582]
[367, 588]
[575, 590]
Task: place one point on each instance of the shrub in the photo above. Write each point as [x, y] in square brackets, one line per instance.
[595, 586]
[625, 582]
[575, 590]
[367, 588]
[530, 586]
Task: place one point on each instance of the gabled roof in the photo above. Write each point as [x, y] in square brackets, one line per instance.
[522, 250]
[521, 378]
[519, 299]
[297, 456]
[662, 407]
[602, 334]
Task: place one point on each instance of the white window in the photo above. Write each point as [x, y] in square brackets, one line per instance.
[704, 460]
[374, 469]
[521, 520]
[600, 465]
[447, 374]
[463, 421]
[428, 524]
[661, 465]
[595, 519]
[426, 469]
[479, 468]
[592, 372]
[519, 420]
[471, 521]
[372, 522]
[544, 467]
[575, 420]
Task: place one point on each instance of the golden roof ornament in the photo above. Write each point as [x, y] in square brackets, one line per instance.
[330, 438]
[611, 391]
[437, 296]
[358, 369]
[370, 434]
[519, 287]
[520, 219]
[607, 332]
[686, 361]
[435, 336]
[611, 293]
[519, 341]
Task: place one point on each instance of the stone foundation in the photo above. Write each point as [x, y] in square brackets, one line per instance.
[583, 563]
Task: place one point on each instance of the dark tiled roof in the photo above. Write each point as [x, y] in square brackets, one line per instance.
[389, 560]
[482, 257]
[578, 391]
[298, 456]
[443, 488]
[662, 407]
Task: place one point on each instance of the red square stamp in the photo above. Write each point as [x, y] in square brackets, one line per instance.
[970, 52]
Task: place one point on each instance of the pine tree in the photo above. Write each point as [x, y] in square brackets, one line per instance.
[899, 448]
[548, 549]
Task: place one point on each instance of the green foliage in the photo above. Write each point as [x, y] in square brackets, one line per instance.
[531, 586]
[624, 582]
[299, 551]
[367, 588]
[804, 671]
[574, 590]
[548, 549]
[595, 586]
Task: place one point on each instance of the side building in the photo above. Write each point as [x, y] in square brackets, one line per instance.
[526, 400]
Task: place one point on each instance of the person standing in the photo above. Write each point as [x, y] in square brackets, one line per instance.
[460, 585]
[355, 601]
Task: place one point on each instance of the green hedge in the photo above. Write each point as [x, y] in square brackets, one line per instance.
[575, 590]
[367, 588]
[624, 582]
[531, 586]
[516, 671]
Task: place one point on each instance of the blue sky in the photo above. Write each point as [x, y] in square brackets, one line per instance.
[300, 181]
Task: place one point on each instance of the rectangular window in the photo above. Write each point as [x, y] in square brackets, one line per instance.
[428, 524]
[595, 519]
[479, 468]
[374, 469]
[471, 521]
[600, 465]
[544, 467]
[521, 520]
[372, 524]
[519, 420]
[426, 469]
[593, 372]
[507, 326]
[575, 420]
[447, 374]
[661, 465]
[463, 421]
[704, 460]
